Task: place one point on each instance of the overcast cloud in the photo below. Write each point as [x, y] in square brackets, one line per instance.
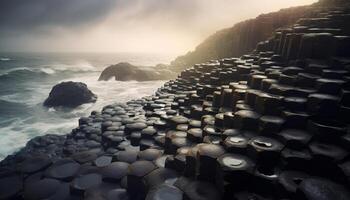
[173, 26]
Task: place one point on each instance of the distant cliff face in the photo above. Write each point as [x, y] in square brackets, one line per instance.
[240, 39]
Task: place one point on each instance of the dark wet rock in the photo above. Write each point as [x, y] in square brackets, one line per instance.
[126, 72]
[85, 156]
[297, 159]
[146, 144]
[323, 104]
[326, 129]
[295, 120]
[269, 104]
[234, 169]
[141, 168]
[247, 120]
[264, 179]
[10, 186]
[34, 164]
[69, 94]
[120, 194]
[149, 154]
[126, 156]
[137, 171]
[92, 144]
[165, 192]
[84, 182]
[236, 144]
[201, 190]
[228, 120]
[177, 163]
[244, 195]
[115, 171]
[42, 189]
[161, 176]
[230, 132]
[207, 155]
[124, 182]
[322, 189]
[135, 138]
[178, 120]
[293, 138]
[148, 133]
[176, 143]
[269, 125]
[84, 121]
[195, 135]
[33, 177]
[265, 150]
[103, 161]
[63, 192]
[327, 152]
[289, 182]
[100, 191]
[64, 169]
[135, 127]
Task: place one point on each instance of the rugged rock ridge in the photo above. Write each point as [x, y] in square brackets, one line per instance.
[126, 72]
[243, 37]
[263, 126]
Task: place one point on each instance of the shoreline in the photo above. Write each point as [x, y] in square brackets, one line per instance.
[256, 126]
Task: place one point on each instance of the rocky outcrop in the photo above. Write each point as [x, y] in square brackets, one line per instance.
[272, 124]
[69, 94]
[127, 72]
[242, 38]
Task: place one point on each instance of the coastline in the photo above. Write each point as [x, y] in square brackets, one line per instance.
[227, 128]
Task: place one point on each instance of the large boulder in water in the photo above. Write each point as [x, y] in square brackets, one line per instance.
[126, 72]
[69, 94]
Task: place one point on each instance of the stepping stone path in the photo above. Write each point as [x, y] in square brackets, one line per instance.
[272, 124]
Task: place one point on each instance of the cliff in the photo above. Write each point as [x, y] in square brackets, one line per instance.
[242, 38]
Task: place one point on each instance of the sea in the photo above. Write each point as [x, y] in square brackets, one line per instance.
[26, 80]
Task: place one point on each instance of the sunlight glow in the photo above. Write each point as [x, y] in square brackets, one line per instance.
[167, 26]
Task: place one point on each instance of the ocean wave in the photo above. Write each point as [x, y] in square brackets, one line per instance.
[49, 69]
[9, 109]
[33, 120]
[59, 67]
[5, 59]
[21, 74]
[16, 134]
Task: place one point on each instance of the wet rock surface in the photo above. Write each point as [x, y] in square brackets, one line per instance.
[69, 94]
[262, 126]
[126, 72]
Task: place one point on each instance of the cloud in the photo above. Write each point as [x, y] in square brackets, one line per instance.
[121, 25]
[31, 14]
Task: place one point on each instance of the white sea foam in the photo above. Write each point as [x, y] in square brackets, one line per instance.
[60, 121]
[5, 59]
[81, 66]
[48, 70]
[15, 69]
[21, 131]
[109, 92]
[34, 120]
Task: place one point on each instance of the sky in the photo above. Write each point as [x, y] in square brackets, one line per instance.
[153, 26]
